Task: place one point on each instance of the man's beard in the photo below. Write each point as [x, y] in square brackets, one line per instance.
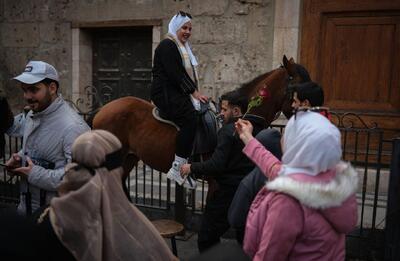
[40, 105]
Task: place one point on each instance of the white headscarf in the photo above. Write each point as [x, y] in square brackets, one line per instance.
[175, 24]
[311, 145]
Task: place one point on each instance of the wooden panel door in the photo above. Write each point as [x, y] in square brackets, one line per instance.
[122, 62]
[352, 48]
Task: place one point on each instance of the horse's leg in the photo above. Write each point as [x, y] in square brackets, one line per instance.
[130, 161]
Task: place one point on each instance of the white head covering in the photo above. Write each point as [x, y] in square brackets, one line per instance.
[311, 145]
[175, 24]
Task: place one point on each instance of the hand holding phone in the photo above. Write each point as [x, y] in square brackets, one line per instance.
[14, 162]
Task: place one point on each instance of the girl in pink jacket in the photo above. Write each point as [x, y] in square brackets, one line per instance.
[308, 204]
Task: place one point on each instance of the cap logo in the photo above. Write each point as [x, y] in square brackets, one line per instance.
[28, 69]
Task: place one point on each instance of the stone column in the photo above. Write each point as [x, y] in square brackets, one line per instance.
[286, 30]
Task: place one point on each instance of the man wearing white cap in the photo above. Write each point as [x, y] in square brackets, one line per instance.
[49, 130]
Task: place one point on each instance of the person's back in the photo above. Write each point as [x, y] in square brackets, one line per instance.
[93, 218]
[309, 203]
[285, 227]
[251, 184]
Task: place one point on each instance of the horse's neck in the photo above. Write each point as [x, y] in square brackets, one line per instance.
[248, 89]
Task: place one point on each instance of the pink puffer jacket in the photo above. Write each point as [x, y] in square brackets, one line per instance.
[297, 216]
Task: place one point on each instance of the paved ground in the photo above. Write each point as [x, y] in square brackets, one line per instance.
[187, 246]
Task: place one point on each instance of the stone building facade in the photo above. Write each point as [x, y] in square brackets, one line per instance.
[234, 40]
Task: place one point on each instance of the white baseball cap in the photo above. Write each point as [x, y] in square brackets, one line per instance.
[36, 71]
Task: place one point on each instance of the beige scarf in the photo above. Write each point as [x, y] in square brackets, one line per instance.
[190, 69]
[97, 222]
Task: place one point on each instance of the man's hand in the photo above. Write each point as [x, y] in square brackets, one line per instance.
[245, 129]
[185, 170]
[14, 162]
[23, 171]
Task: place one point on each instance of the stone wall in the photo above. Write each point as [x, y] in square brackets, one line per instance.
[233, 39]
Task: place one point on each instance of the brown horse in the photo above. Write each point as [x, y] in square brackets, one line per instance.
[131, 120]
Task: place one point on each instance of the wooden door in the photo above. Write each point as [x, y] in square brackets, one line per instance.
[122, 62]
[352, 48]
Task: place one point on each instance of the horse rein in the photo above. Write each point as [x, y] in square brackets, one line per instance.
[289, 80]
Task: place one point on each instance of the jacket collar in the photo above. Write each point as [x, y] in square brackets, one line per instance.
[319, 195]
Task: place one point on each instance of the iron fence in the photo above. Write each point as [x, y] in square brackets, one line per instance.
[9, 185]
[392, 235]
[151, 189]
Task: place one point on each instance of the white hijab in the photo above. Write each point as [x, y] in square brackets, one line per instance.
[175, 24]
[311, 145]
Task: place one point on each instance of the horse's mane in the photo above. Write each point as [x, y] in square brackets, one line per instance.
[247, 87]
[302, 71]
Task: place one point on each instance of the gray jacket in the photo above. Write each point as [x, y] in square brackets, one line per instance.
[17, 129]
[47, 140]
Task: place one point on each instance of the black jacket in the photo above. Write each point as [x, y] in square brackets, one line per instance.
[228, 165]
[22, 238]
[171, 85]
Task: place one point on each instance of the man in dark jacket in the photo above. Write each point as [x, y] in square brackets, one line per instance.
[228, 165]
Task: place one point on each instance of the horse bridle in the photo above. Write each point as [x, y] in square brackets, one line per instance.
[289, 85]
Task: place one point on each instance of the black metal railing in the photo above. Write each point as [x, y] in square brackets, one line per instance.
[392, 232]
[9, 185]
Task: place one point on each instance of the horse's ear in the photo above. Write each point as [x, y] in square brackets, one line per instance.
[285, 61]
[291, 60]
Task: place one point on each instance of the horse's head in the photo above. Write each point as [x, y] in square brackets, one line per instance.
[297, 74]
[274, 89]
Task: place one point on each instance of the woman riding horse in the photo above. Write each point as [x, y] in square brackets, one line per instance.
[174, 89]
[154, 142]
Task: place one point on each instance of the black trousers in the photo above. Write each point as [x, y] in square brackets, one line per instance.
[180, 110]
[215, 217]
[185, 137]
